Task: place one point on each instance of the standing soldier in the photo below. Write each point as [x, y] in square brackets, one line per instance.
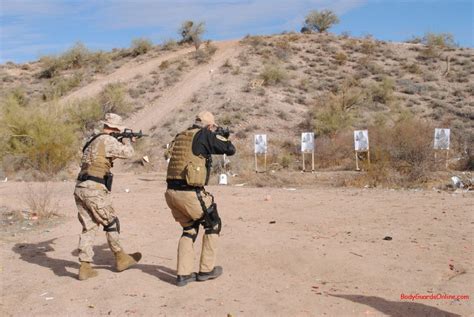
[191, 205]
[93, 199]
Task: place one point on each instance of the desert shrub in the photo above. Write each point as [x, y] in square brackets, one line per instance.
[435, 43]
[282, 50]
[321, 21]
[100, 60]
[273, 74]
[336, 151]
[75, 57]
[368, 46]
[51, 66]
[330, 118]
[340, 58]
[85, 113]
[41, 201]
[169, 44]
[61, 85]
[401, 154]
[38, 138]
[192, 32]
[140, 46]
[383, 92]
[112, 99]
[205, 55]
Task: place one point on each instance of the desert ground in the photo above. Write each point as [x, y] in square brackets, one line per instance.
[303, 251]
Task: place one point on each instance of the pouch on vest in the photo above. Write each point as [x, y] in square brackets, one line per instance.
[195, 175]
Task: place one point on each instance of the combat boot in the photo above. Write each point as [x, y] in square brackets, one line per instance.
[182, 280]
[215, 273]
[123, 260]
[86, 271]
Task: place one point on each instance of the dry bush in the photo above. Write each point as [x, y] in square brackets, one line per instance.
[169, 45]
[140, 46]
[204, 55]
[273, 74]
[36, 138]
[85, 113]
[112, 99]
[340, 58]
[321, 21]
[41, 201]
[335, 152]
[401, 155]
[60, 85]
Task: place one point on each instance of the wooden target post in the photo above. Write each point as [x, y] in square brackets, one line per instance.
[357, 158]
[304, 161]
[442, 139]
[264, 163]
[446, 157]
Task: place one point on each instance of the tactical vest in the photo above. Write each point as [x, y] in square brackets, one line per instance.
[100, 165]
[184, 165]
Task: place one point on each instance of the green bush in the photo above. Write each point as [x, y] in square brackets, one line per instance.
[383, 91]
[141, 46]
[112, 99]
[321, 21]
[273, 74]
[37, 139]
[60, 86]
[85, 113]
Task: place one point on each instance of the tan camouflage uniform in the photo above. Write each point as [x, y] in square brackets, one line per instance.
[94, 201]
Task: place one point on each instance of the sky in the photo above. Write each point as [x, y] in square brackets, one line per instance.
[30, 29]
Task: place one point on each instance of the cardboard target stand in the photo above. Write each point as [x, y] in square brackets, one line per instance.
[361, 145]
[261, 147]
[442, 138]
[307, 147]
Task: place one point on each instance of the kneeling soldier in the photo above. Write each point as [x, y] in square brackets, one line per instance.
[188, 172]
[93, 198]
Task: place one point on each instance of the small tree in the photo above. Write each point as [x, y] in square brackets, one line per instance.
[320, 21]
[192, 32]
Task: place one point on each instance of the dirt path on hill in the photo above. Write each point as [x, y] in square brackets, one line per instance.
[124, 74]
[176, 96]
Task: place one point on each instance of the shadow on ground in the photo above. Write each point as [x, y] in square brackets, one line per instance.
[37, 253]
[397, 309]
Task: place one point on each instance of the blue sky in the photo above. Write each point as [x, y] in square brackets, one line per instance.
[31, 28]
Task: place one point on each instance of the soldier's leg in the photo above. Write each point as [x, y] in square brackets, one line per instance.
[209, 244]
[101, 204]
[185, 265]
[89, 229]
[86, 239]
[176, 201]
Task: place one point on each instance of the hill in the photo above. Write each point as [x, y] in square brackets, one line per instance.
[280, 85]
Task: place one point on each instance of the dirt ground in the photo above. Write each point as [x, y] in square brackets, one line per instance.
[306, 251]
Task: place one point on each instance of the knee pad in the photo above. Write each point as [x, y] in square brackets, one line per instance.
[114, 225]
[193, 236]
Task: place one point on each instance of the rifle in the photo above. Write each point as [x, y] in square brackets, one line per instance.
[128, 133]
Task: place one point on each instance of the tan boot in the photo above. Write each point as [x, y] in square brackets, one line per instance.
[124, 260]
[86, 271]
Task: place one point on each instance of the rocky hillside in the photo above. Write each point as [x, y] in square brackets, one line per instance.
[280, 85]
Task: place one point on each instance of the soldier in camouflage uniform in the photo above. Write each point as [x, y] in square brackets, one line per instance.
[93, 198]
[191, 205]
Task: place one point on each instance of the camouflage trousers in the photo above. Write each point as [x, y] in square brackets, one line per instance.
[186, 208]
[94, 204]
